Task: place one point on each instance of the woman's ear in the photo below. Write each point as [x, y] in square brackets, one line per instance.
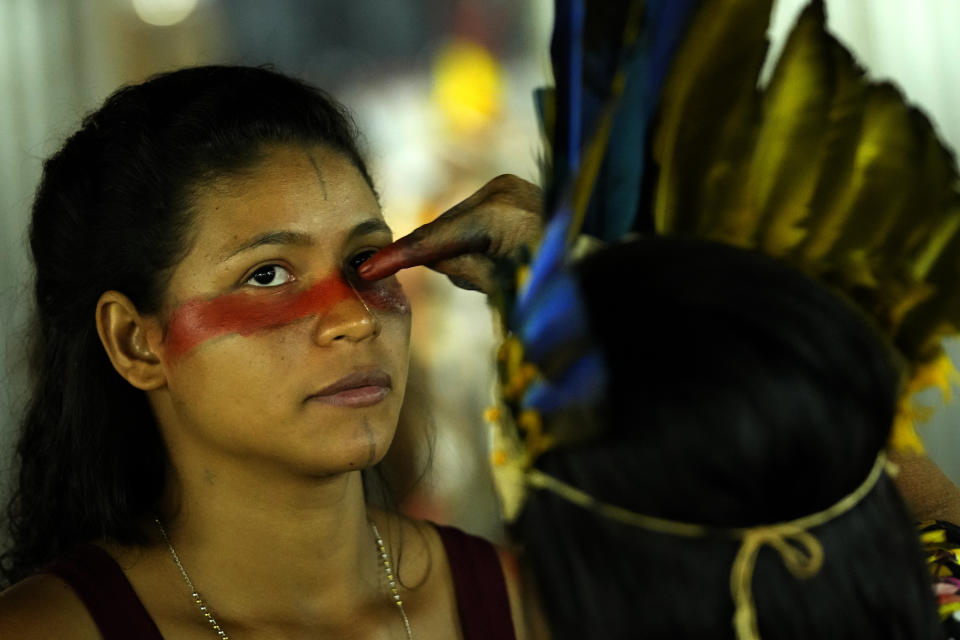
[125, 336]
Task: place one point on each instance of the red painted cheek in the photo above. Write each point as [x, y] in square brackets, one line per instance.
[384, 295]
[248, 312]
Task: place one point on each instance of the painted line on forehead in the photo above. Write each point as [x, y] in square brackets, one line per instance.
[316, 169]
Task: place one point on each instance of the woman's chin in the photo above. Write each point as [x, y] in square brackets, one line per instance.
[359, 447]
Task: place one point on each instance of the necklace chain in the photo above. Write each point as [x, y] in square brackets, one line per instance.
[215, 626]
[391, 581]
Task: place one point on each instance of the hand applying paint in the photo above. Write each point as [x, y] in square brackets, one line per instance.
[465, 241]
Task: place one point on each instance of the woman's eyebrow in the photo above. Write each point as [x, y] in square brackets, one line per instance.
[371, 225]
[272, 237]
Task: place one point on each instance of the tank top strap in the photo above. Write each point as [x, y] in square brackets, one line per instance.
[479, 584]
[99, 582]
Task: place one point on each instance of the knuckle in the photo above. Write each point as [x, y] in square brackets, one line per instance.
[418, 235]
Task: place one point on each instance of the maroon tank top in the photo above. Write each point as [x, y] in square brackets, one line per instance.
[100, 583]
[478, 582]
[479, 585]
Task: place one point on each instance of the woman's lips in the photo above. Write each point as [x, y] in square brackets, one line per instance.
[358, 397]
[361, 389]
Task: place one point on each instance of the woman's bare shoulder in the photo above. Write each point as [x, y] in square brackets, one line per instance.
[44, 606]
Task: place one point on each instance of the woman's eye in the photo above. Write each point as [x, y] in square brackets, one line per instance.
[271, 275]
[361, 257]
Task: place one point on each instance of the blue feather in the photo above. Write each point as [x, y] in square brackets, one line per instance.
[547, 262]
[566, 50]
[549, 316]
[556, 319]
[575, 123]
[615, 202]
[581, 384]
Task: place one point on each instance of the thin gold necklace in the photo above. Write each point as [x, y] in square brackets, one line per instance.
[218, 629]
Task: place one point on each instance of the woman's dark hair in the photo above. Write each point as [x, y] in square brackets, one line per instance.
[113, 211]
[741, 393]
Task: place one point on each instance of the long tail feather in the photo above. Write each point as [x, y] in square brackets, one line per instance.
[823, 168]
[707, 115]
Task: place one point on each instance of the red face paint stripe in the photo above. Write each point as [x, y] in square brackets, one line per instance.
[248, 312]
[384, 295]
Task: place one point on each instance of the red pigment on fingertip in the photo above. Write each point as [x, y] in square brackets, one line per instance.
[385, 262]
[406, 253]
[247, 312]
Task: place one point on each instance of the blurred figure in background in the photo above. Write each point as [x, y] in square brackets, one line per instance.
[741, 394]
[737, 469]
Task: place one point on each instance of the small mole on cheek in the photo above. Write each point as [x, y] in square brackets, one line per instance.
[209, 476]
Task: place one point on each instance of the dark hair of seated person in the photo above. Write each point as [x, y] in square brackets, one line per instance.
[741, 392]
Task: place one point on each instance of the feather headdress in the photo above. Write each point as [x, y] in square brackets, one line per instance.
[658, 125]
[822, 169]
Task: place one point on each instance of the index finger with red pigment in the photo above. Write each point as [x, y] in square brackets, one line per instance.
[411, 252]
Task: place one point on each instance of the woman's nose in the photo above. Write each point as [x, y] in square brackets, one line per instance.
[349, 320]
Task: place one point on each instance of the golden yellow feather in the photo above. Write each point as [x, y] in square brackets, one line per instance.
[823, 168]
[791, 139]
[707, 109]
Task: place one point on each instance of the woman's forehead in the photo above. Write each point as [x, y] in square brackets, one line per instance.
[302, 190]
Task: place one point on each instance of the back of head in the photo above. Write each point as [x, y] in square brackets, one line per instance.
[113, 212]
[740, 393]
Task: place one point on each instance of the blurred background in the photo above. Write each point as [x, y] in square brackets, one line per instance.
[442, 91]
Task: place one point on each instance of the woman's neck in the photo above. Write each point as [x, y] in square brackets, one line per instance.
[273, 546]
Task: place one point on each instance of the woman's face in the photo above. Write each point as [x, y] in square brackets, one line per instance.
[273, 349]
